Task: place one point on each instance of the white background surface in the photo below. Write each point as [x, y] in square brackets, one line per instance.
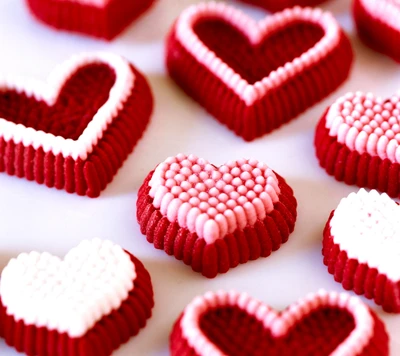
[36, 217]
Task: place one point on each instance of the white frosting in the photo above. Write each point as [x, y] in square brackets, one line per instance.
[48, 92]
[367, 226]
[387, 11]
[69, 295]
[255, 32]
[278, 323]
[366, 123]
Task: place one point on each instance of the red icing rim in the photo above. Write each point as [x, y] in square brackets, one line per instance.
[104, 22]
[282, 90]
[105, 337]
[274, 6]
[230, 251]
[375, 31]
[322, 324]
[354, 168]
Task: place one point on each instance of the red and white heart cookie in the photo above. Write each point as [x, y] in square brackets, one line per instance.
[357, 141]
[89, 303]
[214, 218]
[75, 131]
[255, 76]
[274, 6]
[234, 324]
[361, 247]
[100, 18]
[377, 23]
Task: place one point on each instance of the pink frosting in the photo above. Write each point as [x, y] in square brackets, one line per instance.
[366, 123]
[211, 201]
[255, 32]
[279, 324]
[387, 11]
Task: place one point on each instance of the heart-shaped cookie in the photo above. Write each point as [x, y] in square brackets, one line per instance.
[357, 141]
[361, 247]
[215, 218]
[274, 6]
[100, 18]
[255, 76]
[377, 23]
[89, 303]
[75, 131]
[234, 324]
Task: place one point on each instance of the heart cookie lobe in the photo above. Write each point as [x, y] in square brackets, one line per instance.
[214, 218]
[275, 6]
[255, 76]
[361, 247]
[378, 26]
[89, 303]
[322, 324]
[75, 131]
[99, 18]
[357, 141]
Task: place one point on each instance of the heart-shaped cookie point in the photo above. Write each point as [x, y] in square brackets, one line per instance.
[361, 247]
[250, 81]
[48, 304]
[377, 23]
[215, 217]
[357, 141]
[274, 6]
[99, 18]
[75, 131]
[227, 323]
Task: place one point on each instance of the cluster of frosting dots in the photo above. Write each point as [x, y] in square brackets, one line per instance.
[367, 124]
[68, 295]
[193, 191]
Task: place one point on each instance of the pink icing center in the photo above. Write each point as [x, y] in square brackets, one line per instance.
[211, 201]
[366, 123]
[279, 324]
[387, 11]
[255, 32]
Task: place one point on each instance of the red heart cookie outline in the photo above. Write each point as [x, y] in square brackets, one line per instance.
[251, 110]
[99, 18]
[358, 246]
[214, 218]
[107, 320]
[368, 337]
[356, 141]
[85, 165]
[377, 25]
[275, 6]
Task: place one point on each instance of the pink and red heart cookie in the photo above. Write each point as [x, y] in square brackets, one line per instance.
[361, 247]
[255, 76]
[357, 141]
[377, 23]
[89, 303]
[274, 5]
[214, 218]
[234, 324]
[100, 18]
[75, 131]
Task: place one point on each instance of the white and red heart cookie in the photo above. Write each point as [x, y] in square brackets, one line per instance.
[361, 247]
[214, 218]
[377, 23]
[274, 5]
[234, 324]
[357, 141]
[89, 303]
[75, 131]
[255, 76]
[100, 18]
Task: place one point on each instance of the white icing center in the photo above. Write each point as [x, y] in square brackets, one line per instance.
[48, 92]
[255, 32]
[279, 324]
[366, 123]
[69, 295]
[211, 201]
[387, 11]
[367, 226]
